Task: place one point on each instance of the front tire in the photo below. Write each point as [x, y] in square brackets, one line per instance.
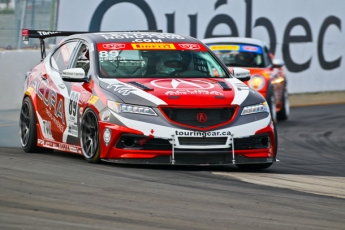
[272, 105]
[27, 127]
[284, 113]
[261, 166]
[90, 137]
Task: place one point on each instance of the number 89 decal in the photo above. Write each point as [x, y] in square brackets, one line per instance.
[73, 105]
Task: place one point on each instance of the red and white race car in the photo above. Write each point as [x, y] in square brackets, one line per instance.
[267, 73]
[143, 97]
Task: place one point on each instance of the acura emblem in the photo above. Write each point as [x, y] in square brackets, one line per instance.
[201, 117]
[193, 84]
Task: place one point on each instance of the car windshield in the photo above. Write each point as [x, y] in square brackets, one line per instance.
[239, 55]
[128, 60]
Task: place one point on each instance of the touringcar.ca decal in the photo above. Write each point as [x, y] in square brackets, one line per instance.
[202, 133]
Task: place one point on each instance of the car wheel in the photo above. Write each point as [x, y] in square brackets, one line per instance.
[257, 167]
[272, 104]
[284, 113]
[90, 137]
[27, 127]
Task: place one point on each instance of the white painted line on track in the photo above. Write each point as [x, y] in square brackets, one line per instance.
[320, 185]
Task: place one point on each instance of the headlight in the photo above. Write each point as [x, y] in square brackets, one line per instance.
[259, 108]
[127, 108]
[257, 82]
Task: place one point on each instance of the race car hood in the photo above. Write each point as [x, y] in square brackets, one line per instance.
[196, 92]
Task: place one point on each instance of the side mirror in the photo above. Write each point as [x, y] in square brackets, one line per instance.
[277, 63]
[241, 74]
[74, 75]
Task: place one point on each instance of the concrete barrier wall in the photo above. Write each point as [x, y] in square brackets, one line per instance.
[13, 67]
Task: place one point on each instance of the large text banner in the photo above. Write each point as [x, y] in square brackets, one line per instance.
[307, 35]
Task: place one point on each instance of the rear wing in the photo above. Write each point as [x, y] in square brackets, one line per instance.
[42, 34]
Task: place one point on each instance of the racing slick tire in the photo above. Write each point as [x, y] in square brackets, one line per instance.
[89, 137]
[272, 104]
[261, 166]
[27, 128]
[284, 113]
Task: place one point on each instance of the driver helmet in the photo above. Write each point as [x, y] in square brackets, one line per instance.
[245, 58]
[169, 62]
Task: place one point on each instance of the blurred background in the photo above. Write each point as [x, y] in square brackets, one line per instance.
[33, 14]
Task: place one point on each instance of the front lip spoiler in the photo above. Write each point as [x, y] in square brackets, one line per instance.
[195, 158]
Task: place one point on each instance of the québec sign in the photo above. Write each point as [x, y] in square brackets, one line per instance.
[307, 35]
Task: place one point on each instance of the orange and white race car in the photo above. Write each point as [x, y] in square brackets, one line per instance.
[267, 73]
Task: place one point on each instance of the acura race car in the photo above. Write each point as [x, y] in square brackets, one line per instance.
[143, 97]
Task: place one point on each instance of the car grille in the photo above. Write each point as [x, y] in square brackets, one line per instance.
[202, 118]
[202, 141]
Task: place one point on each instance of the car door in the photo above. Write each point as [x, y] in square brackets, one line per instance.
[79, 93]
[60, 90]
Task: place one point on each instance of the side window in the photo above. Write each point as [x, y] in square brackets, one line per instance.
[82, 59]
[61, 57]
[267, 58]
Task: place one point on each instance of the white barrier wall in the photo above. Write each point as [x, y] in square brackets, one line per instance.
[13, 66]
[306, 34]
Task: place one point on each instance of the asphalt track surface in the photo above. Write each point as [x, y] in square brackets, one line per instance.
[305, 190]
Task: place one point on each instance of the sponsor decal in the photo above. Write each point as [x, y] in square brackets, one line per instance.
[193, 92]
[106, 136]
[182, 84]
[72, 149]
[121, 88]
[114, 46]
[48, 144]
[48, 32]
[225, 47]
[112, 36]
[93, 100]
[202, 134]
[63, 146]
[40, 142]
[147, 40]
[55, 120]
[189, 46]
[250, 48]
[230, 47]
[73, 130]
[153, 46]
[51, 99]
